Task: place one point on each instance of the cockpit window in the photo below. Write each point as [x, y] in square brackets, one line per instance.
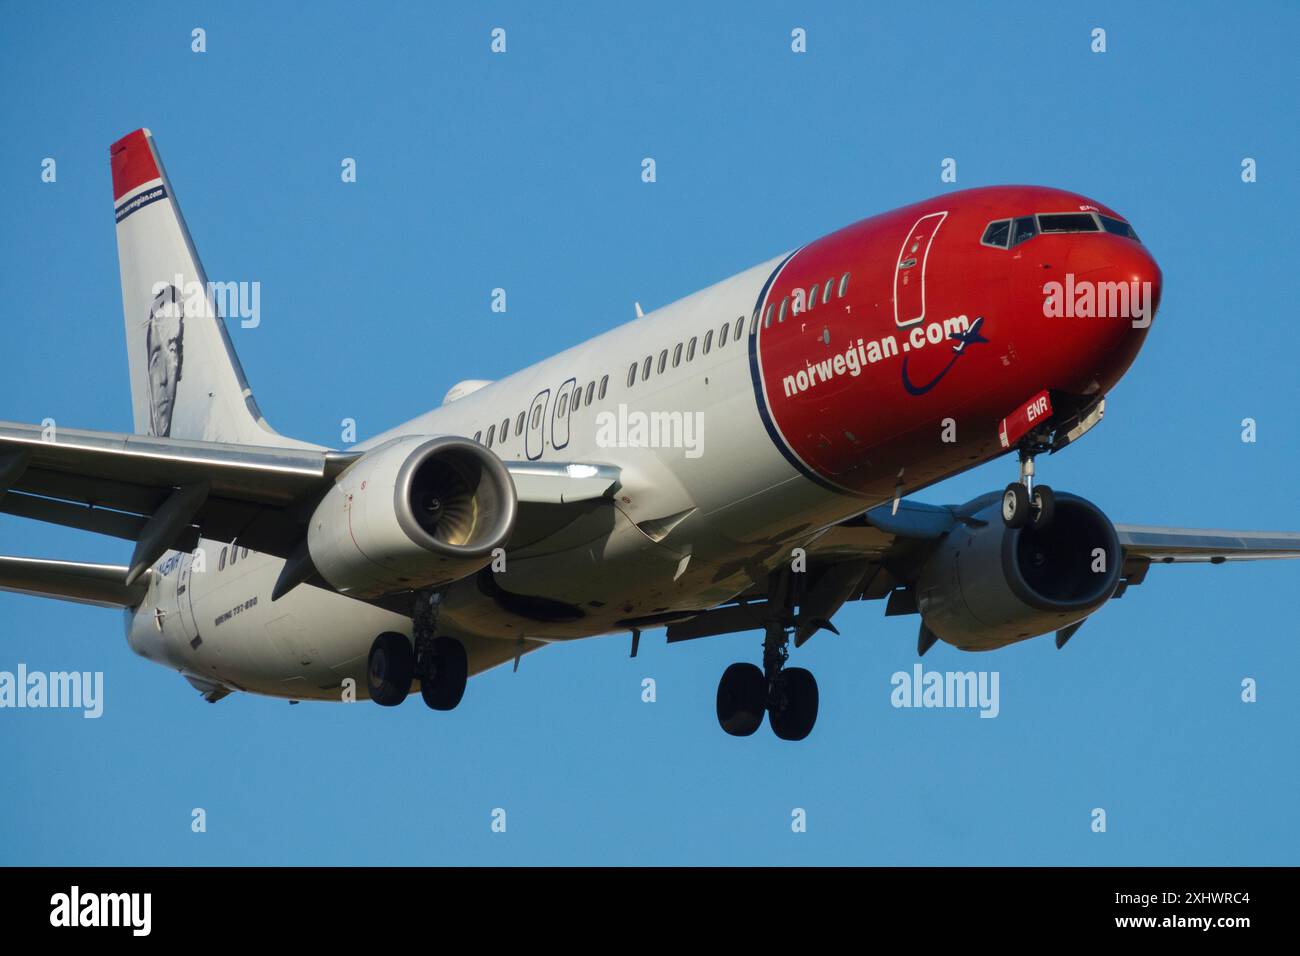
[998, 234]
[1009, 233]
[1025, 229]
[1067, 222]
[1118, 227]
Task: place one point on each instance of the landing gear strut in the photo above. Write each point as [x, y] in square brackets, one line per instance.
[437, 660]
[787, 695]
[1024, 503]
[440, 661]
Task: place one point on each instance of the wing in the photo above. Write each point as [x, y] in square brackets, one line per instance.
[164, 493]
[878, 555]
[1181, 545]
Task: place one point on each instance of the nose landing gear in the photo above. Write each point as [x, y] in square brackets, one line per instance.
[1023, 502]
[787, 695]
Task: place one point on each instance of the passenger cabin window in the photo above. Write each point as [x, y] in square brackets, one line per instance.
[243, 552]
[645, 367]
[1117, 227]
[998, 234]
[1025, 229]
[591, 390]
[564, 405]
[722, 336]
[812, 295]
[537, 416]
[740, 328]
[826, 290]
[519, 425]
[785, 304]
[505, 429]
[663, 361]
[677, 355]
[690, 349]
[478, 434]
[708, 341]
[577, 398]
[234, 554]
[603, 382]
[631, 375]
[767, 316]
[492, 431]
[221, 564]
[1067, 222]
[844, 285]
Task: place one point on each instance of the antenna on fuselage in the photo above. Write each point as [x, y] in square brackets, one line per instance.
[639, 313]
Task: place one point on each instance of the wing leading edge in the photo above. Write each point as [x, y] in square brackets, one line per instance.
[164, 493]
[1186, 545]
[878, 555]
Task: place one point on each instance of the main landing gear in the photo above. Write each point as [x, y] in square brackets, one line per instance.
[438, 661]
[787, 695]
[1024, 503]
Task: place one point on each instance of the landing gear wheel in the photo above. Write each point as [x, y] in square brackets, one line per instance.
[795, 720]
[391, 669]
[1044, 506]
[1015, 505]
[443, 689]
[742, 699]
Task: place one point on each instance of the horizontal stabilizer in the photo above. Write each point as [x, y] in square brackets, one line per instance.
[100, 584]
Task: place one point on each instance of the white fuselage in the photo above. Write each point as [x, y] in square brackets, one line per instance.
[734, 507]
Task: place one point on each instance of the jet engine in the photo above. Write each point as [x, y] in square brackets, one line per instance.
[417, 512]
[988, 585]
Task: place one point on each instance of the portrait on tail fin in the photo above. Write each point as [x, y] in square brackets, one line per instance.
[165, 356]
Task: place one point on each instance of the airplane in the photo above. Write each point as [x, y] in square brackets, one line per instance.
[573, 498]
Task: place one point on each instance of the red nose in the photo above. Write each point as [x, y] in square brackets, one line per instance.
[1133, 265]
[1104, 304]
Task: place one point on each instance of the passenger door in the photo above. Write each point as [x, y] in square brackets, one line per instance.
[535, 433]
[909, 275]
[560, 415]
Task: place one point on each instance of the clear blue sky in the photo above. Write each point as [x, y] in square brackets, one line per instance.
[522, 171]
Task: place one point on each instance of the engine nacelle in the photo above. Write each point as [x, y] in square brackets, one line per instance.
[988, 585]
[417, 512]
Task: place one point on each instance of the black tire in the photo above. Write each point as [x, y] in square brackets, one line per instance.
[796, 720]
[1015, 506]
[1044, 506]
[390, 669]
[742, 699]
[450, 672]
